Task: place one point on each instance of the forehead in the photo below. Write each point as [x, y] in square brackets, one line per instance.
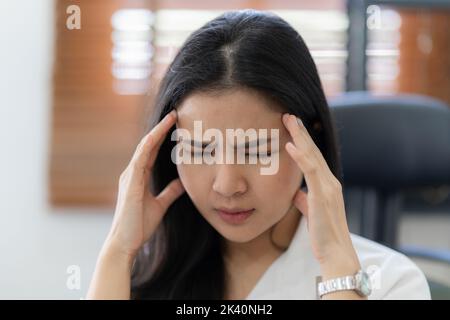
[229, 109]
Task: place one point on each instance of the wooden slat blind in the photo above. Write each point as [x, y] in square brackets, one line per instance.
[94, 129]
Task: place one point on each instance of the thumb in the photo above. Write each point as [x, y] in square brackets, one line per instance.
[170, 193]
[300, 201]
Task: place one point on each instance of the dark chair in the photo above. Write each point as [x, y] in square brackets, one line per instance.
[390, 144]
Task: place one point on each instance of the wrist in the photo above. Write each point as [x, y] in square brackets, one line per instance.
[339, 265]
[112, 253]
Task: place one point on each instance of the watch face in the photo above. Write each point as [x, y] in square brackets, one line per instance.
[364, 284]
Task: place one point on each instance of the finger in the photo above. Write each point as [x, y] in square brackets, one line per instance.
[314, 161]
[308, 166]
[154, 138]
[301, 137]
[154, 152]
[170, 193]
[300, 201]
[141, 162]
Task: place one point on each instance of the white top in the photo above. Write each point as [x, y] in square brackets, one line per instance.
[293, 274]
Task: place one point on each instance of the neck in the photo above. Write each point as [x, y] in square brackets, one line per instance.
[245, 263]
[271, 243]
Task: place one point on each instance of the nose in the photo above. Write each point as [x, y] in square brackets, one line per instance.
[229, 181]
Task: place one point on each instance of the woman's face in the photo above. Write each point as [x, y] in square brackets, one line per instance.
[238, 186]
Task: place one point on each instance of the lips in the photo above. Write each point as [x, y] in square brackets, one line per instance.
[234, 215]
[233, 210]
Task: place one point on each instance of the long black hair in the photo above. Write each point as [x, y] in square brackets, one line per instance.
[239, 49]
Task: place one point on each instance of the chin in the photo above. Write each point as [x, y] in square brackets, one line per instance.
[240, 234]
[238, 237]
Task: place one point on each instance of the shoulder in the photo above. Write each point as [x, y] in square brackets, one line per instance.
[393, 275]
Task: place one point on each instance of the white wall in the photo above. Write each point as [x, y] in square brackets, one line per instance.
[37, 244]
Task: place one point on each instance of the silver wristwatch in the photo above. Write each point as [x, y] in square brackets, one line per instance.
[359, 282]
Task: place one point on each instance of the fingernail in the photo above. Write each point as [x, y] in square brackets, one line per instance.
[300, 123]
[171, 114]
[294, 117]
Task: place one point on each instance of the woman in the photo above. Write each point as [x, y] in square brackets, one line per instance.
[226, 231]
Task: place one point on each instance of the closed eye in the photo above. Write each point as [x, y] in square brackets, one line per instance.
[199, 152]
[263, 154]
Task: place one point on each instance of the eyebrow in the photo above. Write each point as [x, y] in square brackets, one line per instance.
[204, 144]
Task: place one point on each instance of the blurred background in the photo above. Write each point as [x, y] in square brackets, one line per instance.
[77, 79]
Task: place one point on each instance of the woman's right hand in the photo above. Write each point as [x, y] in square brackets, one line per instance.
[139, 212]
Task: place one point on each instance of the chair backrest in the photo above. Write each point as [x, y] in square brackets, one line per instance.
[390, 142]
[387, 144]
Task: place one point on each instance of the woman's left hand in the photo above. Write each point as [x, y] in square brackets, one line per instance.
[322, 206]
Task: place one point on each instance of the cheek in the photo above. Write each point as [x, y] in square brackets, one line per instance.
[288, 178]
[195, 188]
[274, 193]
